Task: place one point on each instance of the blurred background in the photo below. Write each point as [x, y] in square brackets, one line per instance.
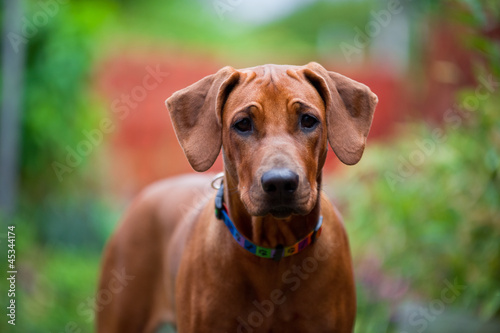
[83, 128]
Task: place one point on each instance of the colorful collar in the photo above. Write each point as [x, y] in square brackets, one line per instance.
[263, 252]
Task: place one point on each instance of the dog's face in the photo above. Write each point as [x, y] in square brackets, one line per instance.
[273, 123]
[274, 140]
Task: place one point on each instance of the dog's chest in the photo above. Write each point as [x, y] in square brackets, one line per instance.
[292, 307]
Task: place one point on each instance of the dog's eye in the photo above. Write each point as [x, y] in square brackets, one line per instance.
[308, 122]
[244, 125]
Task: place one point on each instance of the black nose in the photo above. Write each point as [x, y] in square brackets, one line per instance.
[280, 182]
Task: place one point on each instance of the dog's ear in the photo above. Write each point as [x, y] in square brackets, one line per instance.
[349, 111]
[196, 112]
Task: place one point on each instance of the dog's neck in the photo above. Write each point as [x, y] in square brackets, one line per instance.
[267, 231]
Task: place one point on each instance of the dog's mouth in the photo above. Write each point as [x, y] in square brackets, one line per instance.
[281, 212]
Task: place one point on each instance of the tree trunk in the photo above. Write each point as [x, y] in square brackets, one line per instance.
[13, 51]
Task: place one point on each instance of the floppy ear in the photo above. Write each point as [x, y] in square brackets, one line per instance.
[196, 114]
[349, 111]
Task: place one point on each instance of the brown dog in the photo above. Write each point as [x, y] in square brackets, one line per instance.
[186, 266]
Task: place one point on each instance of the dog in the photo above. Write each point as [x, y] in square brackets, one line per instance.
[267, 251]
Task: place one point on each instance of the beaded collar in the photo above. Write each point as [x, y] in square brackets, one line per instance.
[264, 252]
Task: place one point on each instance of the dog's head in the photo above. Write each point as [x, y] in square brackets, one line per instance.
[273, 123]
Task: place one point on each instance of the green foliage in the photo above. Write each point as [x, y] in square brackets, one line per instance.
[428, 206]
[426, 209]
[314, 32]
[51, 285]
[193, 25]
[54, 306]
[429, 209]
[57, 104]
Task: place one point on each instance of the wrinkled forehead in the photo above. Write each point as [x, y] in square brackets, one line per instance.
[272, 86]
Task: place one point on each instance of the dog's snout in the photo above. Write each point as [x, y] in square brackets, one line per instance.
[279, 182]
